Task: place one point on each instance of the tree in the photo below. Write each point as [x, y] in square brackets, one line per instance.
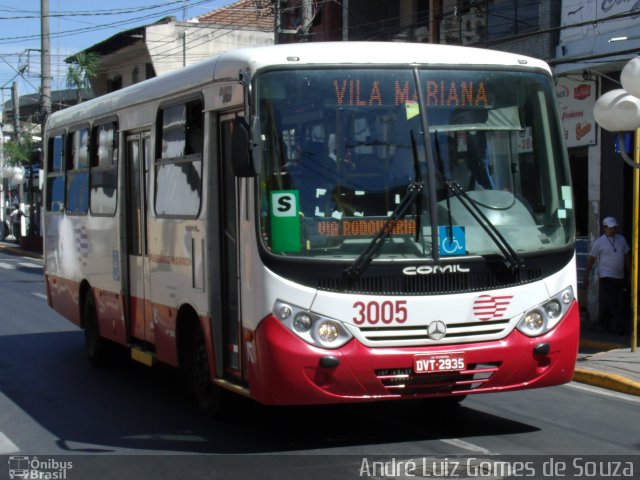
[81, 71]
[18, 153]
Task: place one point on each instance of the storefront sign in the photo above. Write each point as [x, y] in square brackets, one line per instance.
[576, 99]
[596, 18]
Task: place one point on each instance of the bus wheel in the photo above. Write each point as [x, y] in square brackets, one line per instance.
[208, 396]
[95, 346]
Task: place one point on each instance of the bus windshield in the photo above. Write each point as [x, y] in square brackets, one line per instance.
[341, 148]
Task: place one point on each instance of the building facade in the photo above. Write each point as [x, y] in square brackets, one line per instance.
[143, 52]
[599, 38]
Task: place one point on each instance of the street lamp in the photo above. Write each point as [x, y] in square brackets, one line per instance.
[619, 111]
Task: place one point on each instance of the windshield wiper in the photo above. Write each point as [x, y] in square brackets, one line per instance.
[418, 178]
[414, 189]
[512, 260]
[359, 265]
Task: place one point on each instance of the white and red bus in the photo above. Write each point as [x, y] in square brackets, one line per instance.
[322, 223]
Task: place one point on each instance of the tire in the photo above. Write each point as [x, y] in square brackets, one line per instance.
[208, 397]
[96, 347]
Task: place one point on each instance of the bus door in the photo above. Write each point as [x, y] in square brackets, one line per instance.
[227, 326]
[137, 155]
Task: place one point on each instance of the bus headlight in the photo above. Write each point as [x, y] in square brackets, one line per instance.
[542, 318]
[533, 322]
[302, 322]
[553, 309]
[327, 331]
[311, 327]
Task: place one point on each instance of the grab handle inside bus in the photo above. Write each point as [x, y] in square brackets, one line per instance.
[245, 149]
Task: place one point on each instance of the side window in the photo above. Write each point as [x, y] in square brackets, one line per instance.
[173, 129]
[195, 128]
[78, 172]
[104, 169]
[178, 166]
[55, 174]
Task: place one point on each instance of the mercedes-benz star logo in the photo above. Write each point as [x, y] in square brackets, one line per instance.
[437, 330]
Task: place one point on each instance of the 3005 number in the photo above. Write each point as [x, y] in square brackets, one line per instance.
[380, 312]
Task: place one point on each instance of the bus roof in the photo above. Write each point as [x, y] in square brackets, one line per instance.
[228, 65]
[369, 53]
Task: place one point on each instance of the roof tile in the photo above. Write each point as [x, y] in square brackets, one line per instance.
[242, 14]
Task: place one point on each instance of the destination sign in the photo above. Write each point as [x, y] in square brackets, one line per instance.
[438, 93]
[369, 227]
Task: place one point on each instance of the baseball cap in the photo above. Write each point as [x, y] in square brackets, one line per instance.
[610, 222]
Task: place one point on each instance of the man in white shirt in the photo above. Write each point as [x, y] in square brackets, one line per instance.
[612, 253]
[16, 222]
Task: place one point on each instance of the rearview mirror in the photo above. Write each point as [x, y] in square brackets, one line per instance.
[243, 149]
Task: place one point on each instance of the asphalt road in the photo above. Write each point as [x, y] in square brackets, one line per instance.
[53, 403]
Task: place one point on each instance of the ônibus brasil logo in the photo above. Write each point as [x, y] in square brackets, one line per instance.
[38, 469]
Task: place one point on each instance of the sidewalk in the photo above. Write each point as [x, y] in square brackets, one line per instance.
[9, 245]
[604, 359]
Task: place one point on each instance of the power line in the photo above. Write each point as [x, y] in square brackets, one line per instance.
[200, 34]
[95, 28]
[207, 30]
[175, 6]
[91, 13]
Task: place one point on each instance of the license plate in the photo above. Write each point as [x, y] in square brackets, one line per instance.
[439, 362]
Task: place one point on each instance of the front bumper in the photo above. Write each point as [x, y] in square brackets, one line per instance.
[284, 370]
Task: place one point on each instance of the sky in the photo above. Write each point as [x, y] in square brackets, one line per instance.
[74, 25]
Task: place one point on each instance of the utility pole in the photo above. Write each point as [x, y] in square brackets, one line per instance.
[345, 20]
[16, 133]
[45, 102]
[45, 89]
[16, 111]
[435, 12]
[276, 22]
[307, 17]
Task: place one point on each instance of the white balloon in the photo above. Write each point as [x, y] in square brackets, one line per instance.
[617, 111]
[630, 77]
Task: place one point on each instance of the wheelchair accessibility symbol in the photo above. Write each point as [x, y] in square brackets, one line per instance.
[452, 241]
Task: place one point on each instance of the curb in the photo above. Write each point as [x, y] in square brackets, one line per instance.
[18, 251]
[600, 346]
[610, 381]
